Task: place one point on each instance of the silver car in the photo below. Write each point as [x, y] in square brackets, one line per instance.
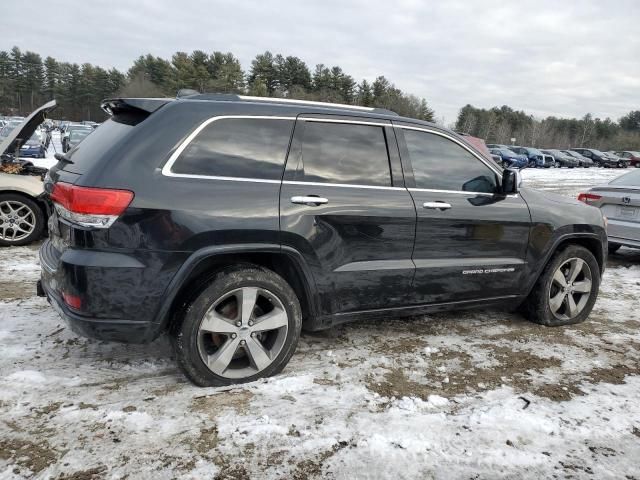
[619, 201]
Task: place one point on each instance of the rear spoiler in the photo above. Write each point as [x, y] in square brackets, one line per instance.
[115, 106]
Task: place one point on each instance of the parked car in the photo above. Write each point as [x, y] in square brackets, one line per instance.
[549, 161]
[496, 145]
[620, 162]
[75, 137]
[509, 158]
[631, 155]
[229, 222]
[66, 132]
[600, 159]
[535, 156]
[619, 201]
[23, 208]
[562, 159]
[33, 147]
[582, 160]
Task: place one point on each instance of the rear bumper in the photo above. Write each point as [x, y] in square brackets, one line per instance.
[627, 242]
[127, 331]
[120, 292]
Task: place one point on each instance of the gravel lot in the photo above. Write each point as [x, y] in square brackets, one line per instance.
[457, 395]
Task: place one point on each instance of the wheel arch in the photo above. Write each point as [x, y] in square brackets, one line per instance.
[591, 241]
[204, 263]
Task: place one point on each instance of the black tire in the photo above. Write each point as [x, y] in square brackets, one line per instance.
[614, 247]
[185, 331]
[537, 305]
[38, 216]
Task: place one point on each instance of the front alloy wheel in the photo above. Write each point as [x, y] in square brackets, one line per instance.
[21, 220]
[566, 290]
[570, 289]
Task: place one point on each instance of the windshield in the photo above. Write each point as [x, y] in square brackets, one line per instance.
[598, 152]
[631, 178]
[535, 151]
[34, 140]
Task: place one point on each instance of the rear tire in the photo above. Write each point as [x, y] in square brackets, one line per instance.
[552, 304]
[218, 341]
[614, 247]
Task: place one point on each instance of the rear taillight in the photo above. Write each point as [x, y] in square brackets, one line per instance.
[73, 301]
[90, 207]
[589, 197]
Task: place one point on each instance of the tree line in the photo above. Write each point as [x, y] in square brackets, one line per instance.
[501, 124]
[27, 81]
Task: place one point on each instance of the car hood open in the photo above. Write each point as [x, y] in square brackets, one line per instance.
[23, 132]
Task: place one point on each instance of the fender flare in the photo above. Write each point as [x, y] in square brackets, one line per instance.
[190, 264]
[598, 236]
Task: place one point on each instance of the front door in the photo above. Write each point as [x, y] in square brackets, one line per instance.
[470, 241]
[350, 217]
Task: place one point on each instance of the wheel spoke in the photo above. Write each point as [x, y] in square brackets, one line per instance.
[571, 304]
[558, 277]
[556, 302]
[583, 286]
[257, 354]
[249, 296]
[276, 318]
[219, 361]
[575, 269]
[215, 323]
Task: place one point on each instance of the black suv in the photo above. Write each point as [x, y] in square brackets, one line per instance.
[600, 159]
[233, 222]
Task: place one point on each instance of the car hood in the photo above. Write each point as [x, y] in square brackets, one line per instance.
[24, 131]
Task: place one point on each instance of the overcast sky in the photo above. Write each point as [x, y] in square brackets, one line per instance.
[563, 58]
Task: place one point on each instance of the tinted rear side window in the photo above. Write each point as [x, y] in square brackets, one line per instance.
[90, 151]
[238, 147]
[345, 153]
[441, 164]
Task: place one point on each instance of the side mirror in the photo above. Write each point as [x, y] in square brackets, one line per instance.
[511, 181]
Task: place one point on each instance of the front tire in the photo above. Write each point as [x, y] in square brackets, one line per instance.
[244, 325]
[21, 220]
[566, 290]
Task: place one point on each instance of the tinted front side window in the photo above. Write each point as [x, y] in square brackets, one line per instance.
[440, 164]
[345, 153]
[238, 147]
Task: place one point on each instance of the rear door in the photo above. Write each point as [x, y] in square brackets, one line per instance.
[470, 241]
[344, 206]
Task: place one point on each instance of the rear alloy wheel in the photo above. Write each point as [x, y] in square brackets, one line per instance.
[21, 220]
[243, 326]
[566, 290]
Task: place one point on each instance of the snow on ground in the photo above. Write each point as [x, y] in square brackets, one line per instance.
[455, 395]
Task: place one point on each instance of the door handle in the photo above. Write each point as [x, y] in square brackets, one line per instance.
[309, 200]
[437, 205]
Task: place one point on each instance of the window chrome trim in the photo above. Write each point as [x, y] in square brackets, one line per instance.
[342, 185]
[336, 120]
[460, 192]
[449, 137]
[166, 169]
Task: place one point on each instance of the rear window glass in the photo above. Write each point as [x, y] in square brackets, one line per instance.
[88, 153]
[631, 179]
[238, 147]
[345, 153]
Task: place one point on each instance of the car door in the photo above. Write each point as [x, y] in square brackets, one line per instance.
[344, 207]
[470, 240]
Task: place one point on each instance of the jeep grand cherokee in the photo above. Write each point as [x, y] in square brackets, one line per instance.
[232, 222]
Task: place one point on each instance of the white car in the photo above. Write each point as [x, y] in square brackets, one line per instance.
[23, 211]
